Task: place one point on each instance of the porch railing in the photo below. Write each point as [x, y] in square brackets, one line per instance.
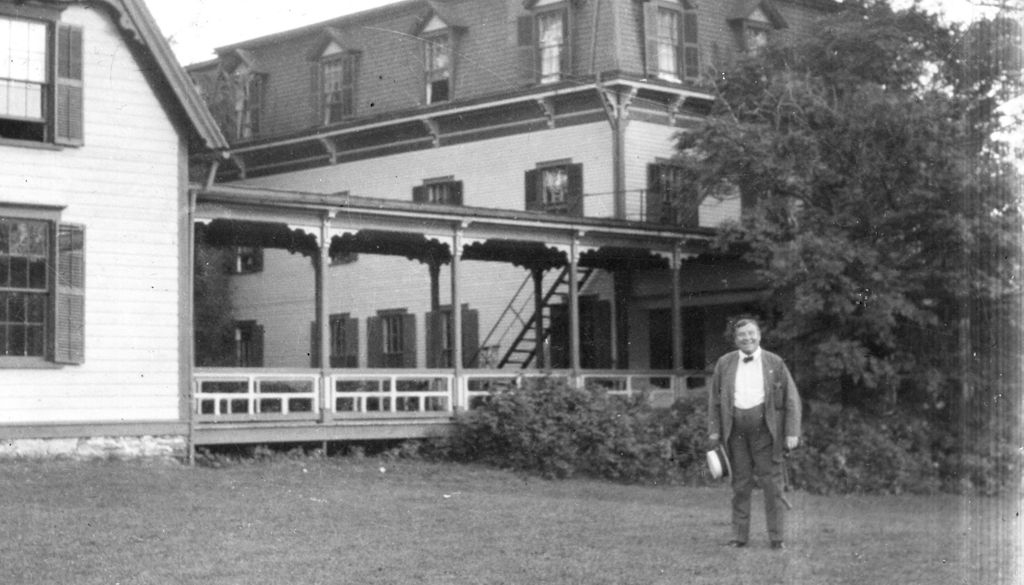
[245, 395]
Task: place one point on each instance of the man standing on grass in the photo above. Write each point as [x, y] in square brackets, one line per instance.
[754, 410]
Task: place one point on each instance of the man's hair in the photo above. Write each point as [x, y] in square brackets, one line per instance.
[743, 322]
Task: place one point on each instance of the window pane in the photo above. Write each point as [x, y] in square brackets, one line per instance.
[23, 55]
[16, 340]
[551, 39]
[555, 185]
[19, 272]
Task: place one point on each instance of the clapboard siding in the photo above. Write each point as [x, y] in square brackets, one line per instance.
[124, 186]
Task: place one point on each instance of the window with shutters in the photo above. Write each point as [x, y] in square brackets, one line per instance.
[391, 339]
[442, 190]
[671, 198]
[555, 187]
[670, 30]
[544, 42]
[41, 80]
[42, 282]
[441, 339]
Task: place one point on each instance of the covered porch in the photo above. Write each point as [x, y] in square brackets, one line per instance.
[361, 383]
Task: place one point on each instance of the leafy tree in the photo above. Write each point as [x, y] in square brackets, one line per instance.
[878, 208]
[213, 324]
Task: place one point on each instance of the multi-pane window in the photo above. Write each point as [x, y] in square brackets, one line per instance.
[438, 68]
[38, 102]
[670, 28]
[338, 86]
[248, 106]
[393, 339]
[668, 43]
[24, 287]
[23, 70]
[551, 39]
[445, 191]
[42, 289]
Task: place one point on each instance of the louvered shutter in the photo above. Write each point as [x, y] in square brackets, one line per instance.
[470, 337]
[314, 345]
[456, 191]
[350, 352]
[69, 316]
[526, 63]
[574, 204]
[374, 342]
[566, 56]
[532, 190]
[257, 347]
[408, 340]
[433, 327]
[69, 120]
[419, 194]
[651, 39]
[691, 50]
[315, 95]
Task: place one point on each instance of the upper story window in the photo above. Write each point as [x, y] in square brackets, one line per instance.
[40, 102]
[670, 197]
[754, 24]
[338, 76]
[438, 68]
[443, 190]
[544, 42]
[555, 187]
[42, 289]
[670, 31]
[247, 260]
[237, 100]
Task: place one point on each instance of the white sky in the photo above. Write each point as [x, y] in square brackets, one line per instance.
[196, 27]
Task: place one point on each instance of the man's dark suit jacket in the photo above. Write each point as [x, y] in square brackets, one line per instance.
[781, 400]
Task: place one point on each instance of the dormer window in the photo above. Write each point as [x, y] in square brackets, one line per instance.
[670, 31]
[544, 42]
[438, 57]
[754, 25]
[336, 72]
[248, 102]
[338, 85]
[237, 98]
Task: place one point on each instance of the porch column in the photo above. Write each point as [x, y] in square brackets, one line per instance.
[456, 320]
[677, 314]
[323, 320]
[434, 266]
[574, 306]
[622, 283]
[538, 311]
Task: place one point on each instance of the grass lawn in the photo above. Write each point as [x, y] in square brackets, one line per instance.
[344, 520]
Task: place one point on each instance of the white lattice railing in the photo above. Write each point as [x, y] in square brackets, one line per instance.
[256, 395]
[393, 393]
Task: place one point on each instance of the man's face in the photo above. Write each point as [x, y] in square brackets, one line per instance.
[748, 338]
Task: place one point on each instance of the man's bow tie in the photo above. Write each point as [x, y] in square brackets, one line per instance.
[748, 359]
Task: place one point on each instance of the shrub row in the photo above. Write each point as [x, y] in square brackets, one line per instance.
[555, 430]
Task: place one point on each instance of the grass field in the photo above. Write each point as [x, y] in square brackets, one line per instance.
[352, 521]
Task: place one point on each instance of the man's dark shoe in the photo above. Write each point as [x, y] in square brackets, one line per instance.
[778, 545]
[736, 543]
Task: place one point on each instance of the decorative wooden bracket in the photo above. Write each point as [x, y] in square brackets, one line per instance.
[434, 129]
[547, 106]
[674, 107]
[330, 147]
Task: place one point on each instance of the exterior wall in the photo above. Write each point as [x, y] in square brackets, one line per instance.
[491, 170]
[123, 185]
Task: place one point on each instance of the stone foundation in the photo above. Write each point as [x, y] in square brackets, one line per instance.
[169, 448]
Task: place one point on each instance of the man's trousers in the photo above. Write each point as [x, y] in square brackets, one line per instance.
[750, 452]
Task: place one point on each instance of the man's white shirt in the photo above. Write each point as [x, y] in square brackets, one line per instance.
[749, 382]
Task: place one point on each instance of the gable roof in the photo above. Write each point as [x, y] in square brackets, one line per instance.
[170, 83]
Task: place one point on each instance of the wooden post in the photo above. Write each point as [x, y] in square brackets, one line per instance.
[538, 309]
[677, 315]
[574, 306]
[456, 320]
[322, 319]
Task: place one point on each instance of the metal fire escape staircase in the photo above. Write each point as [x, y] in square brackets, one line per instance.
[522, 350]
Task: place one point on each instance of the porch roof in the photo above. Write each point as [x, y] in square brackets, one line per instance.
[384, 226]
